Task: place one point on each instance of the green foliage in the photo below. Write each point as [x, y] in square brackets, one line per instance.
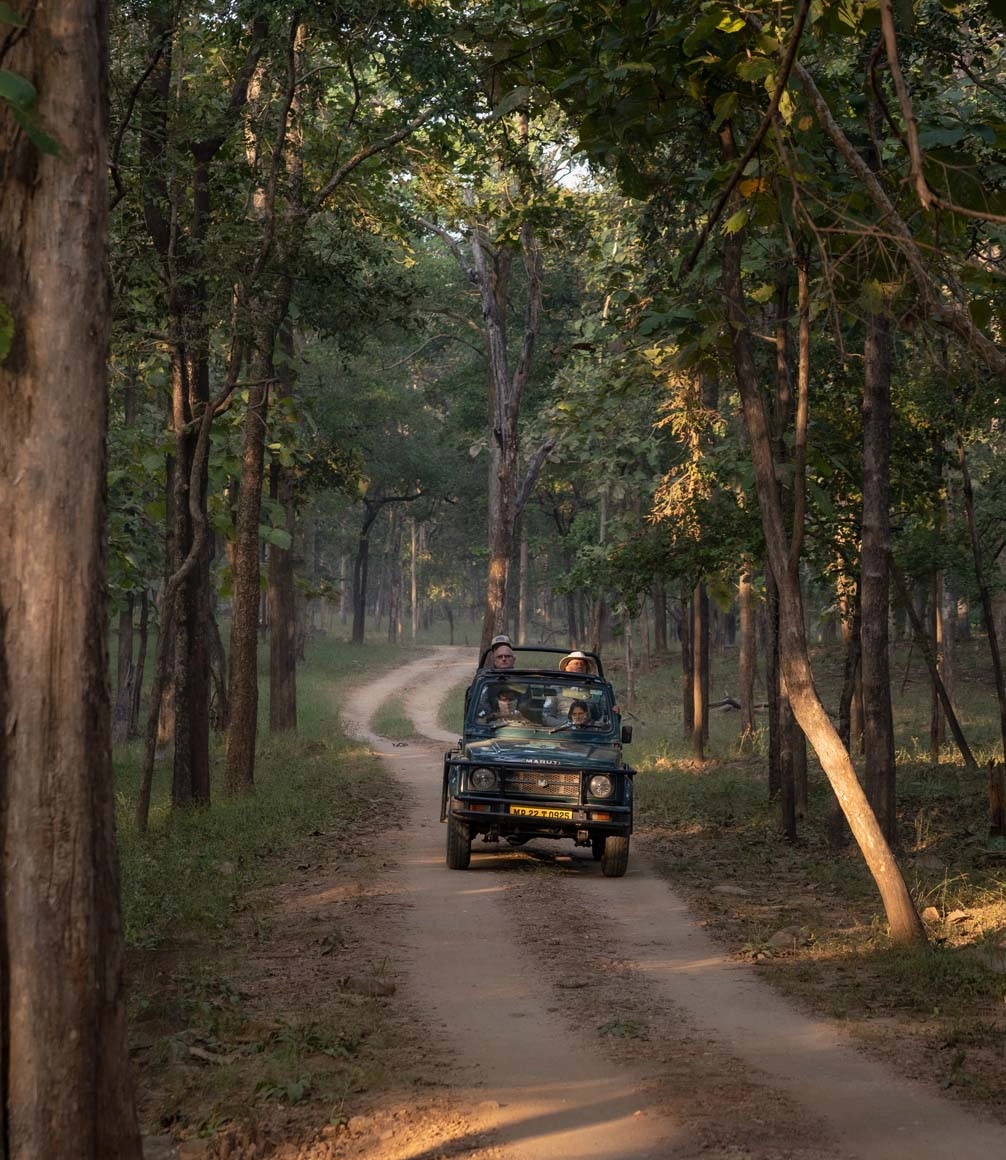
[20, 97]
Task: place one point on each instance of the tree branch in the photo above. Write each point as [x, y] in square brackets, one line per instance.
[368, 151]
[755, 143]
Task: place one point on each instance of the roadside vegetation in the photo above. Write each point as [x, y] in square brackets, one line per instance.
[807, 913]
[211, 1041]
[203, 906]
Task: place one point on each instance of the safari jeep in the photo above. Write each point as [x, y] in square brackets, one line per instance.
[541, 757]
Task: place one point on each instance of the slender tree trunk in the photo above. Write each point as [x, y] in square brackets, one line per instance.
[283, 638]
[125, 673]
[700, 660]
[878, 720]
[286, 637]
[848, 598]
[65, 1081]
[904, 921]
[659, 594]
[747, 660]
[937, 721]
[984, 591]
[413, 580]
[141, 664]
[522, 600]
[239, 771]
[773, 688]
[687, 667]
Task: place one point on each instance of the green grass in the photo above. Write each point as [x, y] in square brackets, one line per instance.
[451, 713]
[190, 870]
[393, 722]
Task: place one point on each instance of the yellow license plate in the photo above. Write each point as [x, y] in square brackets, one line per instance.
[539, 812]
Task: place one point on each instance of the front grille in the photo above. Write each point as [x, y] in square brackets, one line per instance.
[542, 783]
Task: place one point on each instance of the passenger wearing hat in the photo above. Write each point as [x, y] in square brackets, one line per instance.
[501, 655]
[576, 662]
[556, 709]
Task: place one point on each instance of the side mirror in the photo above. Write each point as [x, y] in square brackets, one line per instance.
[626, 734]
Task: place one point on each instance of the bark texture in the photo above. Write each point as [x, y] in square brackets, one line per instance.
[65, 1088]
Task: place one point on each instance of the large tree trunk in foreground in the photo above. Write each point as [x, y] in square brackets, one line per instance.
[65, 1089]
[905, 924]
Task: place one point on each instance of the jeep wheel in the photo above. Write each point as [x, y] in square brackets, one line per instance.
[459, 843]
[597, 846]
[615, 859]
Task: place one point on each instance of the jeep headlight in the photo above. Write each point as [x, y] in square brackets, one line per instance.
[482, 779]
[601, 785]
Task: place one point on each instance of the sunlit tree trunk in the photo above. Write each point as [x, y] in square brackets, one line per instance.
[700, 671]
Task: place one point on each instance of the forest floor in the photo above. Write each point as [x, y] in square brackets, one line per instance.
[530, 1008]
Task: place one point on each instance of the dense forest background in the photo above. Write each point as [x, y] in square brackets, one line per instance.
[566, 317]
[589, 322]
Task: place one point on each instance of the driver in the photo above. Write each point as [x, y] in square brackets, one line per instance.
[579, 715]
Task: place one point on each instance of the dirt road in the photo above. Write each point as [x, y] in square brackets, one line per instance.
[571, 1016]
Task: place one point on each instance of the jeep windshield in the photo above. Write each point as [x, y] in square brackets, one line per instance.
[542, 704]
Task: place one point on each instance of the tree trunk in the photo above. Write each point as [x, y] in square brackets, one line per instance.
[984, 591]
[878, 720]
[179, 230]
[283, 637]
[125, 674]
[413, 580]
[506, 391]
[687, 667]
[659, 594]
[937, 721]
[700, 667]
[65, 1082]
[746, 660]
[239, 771]
[773, 688]
[904, 921]
[141, 664]
[522, 590]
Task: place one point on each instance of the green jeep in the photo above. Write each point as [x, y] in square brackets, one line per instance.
[541, 757]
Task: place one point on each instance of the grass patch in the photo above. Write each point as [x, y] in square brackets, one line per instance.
[451, 713]
[189, 871]
[393, 722]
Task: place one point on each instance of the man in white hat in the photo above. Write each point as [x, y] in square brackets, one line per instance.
[556, 709]
[576, 662]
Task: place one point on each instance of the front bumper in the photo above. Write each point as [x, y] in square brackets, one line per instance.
[562, 807]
